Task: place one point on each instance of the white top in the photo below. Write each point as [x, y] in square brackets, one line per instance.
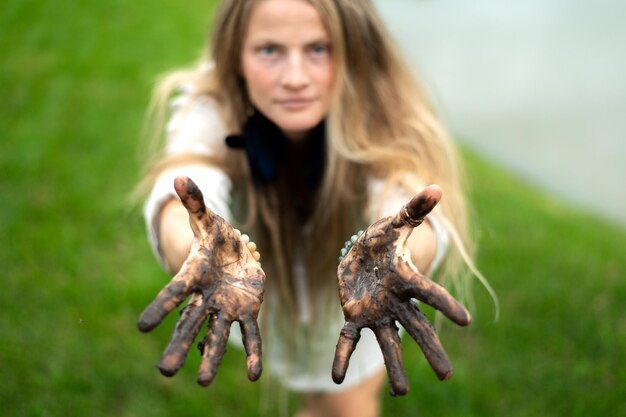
[195, 127]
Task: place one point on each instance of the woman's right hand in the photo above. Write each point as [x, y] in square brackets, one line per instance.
[226, 283]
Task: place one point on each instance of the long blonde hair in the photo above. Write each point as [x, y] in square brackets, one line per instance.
[380, 124]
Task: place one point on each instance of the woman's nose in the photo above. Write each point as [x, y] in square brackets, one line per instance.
[296, 75]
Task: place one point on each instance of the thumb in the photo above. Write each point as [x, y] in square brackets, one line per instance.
[413, 213]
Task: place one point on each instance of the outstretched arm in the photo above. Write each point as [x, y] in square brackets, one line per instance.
[378, 285]
[174, 234]
[225, 282]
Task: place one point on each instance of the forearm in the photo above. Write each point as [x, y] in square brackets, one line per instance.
[422, 244]
[175, 234]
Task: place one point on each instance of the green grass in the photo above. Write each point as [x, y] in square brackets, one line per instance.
[75, 80]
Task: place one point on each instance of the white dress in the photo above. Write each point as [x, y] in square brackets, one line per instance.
[196, 127]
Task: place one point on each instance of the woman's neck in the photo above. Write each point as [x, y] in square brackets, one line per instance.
[296, 137]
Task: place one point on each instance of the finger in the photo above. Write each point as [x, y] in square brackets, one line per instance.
[252, 344]
[391, 347]
[190, 195]
[433, 294]
[185, 332]
[348, 338]
[417, 325]
[413, 213]
[171, 295]
[214, 347]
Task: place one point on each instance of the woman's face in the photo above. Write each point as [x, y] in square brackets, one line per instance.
[287, 64]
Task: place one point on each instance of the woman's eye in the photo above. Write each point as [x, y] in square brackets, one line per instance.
[320, 49]
[268, 50]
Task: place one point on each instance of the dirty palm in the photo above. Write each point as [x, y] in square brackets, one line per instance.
[378, 285]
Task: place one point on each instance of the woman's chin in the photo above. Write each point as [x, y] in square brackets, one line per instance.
[297, 129]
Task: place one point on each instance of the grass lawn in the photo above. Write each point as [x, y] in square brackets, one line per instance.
[75, 78]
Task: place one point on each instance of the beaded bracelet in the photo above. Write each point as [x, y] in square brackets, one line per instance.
[348, 245]
[251, 246]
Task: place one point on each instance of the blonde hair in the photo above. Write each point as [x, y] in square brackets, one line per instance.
[380, 124]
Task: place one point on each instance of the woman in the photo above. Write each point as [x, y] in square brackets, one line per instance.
[307, 127]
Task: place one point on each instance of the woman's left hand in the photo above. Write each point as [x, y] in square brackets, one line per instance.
[378, 284]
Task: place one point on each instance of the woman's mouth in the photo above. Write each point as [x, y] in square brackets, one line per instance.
[296, 103]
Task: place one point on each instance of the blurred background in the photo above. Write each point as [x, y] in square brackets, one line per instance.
[538, 86]
[533, 91]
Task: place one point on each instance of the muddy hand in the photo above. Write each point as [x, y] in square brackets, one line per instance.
[378, 284]
[226, 284]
